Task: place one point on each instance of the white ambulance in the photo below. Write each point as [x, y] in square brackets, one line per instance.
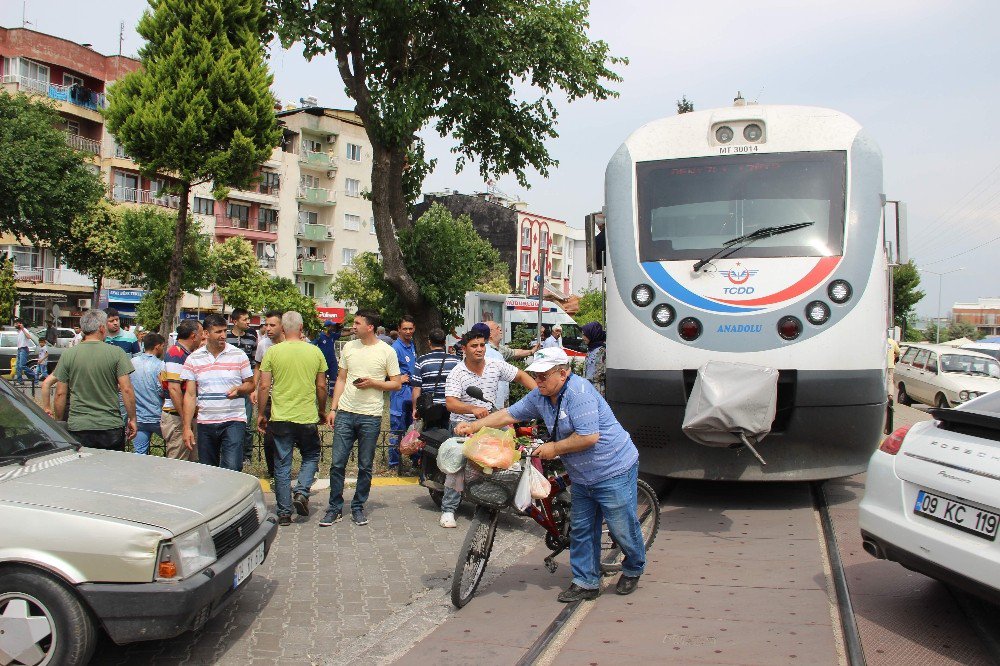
[516, 312]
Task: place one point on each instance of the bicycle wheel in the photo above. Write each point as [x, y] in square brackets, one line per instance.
[648, 511]
[473, 557]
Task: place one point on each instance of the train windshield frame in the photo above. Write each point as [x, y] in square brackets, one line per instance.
[689, 207]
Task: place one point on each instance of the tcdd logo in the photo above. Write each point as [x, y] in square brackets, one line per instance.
[739, 274]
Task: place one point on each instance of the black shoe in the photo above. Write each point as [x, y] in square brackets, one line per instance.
[627, 584]
[576, 593]
[284, 521]
[358, 517]
[330, 518]
[301, 504]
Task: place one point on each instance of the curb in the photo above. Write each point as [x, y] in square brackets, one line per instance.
[323, 484]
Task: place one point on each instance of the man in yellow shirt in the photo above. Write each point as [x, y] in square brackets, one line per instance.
[293, 372]
[368, 369]
[892, 355]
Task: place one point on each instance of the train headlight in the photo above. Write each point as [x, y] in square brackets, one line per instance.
[724, 134]
[663, 315]
[753, 133]
[642, 295]
[817, 312]
[689, 328]
[840, 291]
[789, 327]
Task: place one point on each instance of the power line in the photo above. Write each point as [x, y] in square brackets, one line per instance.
[929, 234]
[980, 246]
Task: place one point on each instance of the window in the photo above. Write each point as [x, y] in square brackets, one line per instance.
[908, 355]
[35, 72]
[544, 243]
[70, 80]
[309, 289]
[354, 152]
[352, 222]
[308, 217]
[525, 262]
[312, 146]
[126, 187]
[352, 187]
[348, 256]
[524, 285]
[526, 236]
[309, 180]
[267, 219]
[270, 182]
[371, 225]
[73, 127]
[237, 212]
[932, 365]
[921, 359]
[203, 206]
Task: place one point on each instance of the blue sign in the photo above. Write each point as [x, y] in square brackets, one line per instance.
[125, 295]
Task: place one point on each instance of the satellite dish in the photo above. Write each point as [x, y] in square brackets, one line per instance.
[269, 251]
[56, 311]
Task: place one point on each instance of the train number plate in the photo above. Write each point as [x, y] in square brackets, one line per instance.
[957, 514]
[248, 564]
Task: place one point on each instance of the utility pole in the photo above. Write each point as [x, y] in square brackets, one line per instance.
[937, 323]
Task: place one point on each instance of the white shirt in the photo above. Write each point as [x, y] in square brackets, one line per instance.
[552, 341]
[461, 378]
[22, 337]
[77, 339]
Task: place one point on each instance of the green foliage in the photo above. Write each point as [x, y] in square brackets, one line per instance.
[591, 307]
[684, 105]
[146, 242]
[495, 280]
[256, 290]
[905, 295]
[8, 291]
[150, 309]
[232, 260]
[961, 329]
[912, 332]
[44, 184]
[92, 245]
[363, 285]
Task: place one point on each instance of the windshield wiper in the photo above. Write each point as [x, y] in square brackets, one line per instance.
[734, 244]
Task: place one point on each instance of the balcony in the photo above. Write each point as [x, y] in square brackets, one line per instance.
[120, 153]
[311, 267]
[556, 248]
[83, 144]
[53, 276]
[267, 262]
[555, 274]
[318, 160]
[77, 95]
[314, 232]
[235, 226]
[123, 194]
[316, 196]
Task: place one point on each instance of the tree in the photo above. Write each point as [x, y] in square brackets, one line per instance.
[905, 295]
[44, 184]
[149, 312]
[200, 108]
[92, 244]
[684, 105]
[461, 65]
[146, 240]
[494, 281]
[8, 290]
[232, 260]
[448, 258]
[591, 307]
[961, 329]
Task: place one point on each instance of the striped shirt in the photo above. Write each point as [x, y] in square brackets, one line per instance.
[214, 376]
[247, 342]
[173, 363]
[429, 374]
[462, 378]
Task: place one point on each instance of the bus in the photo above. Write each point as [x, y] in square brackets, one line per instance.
[752, 234]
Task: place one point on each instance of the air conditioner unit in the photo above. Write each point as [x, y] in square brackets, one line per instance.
[329, 234]
[84, 303]
[332, 173]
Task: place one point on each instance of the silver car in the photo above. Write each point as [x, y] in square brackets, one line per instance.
[138, 547]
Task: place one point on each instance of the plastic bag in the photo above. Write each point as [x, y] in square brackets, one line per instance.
[540, 486]
[522, 498]
[411, 442]
[450, 458]
[492, 449]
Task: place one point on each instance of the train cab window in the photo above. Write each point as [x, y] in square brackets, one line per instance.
[909, 355]
[688, 208]
[921, 359]
[932, 364]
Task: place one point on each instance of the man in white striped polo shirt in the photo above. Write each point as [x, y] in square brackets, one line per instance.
[218, 378]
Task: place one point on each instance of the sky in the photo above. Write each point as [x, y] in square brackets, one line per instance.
[914, 73]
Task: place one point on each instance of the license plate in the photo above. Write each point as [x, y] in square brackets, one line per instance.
[249, 563]
[957, 514]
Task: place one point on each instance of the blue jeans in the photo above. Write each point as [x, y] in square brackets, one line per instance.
[144, 431]
[286, 437]
[248, 437]
[348, 427]
[221, 444]
[22, 363]
[615, 500]
[452, 498]
[398, 423]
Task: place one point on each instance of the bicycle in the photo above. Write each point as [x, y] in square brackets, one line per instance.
[494, 493]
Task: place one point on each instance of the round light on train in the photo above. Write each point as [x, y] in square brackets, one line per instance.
[753, 132]
[689, 328]
[642, 295]
[840, 291]
[663, 315]
[789, 327]
[724, 134]
[817, 312]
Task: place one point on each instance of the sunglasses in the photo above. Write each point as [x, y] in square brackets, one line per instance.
[543, 376]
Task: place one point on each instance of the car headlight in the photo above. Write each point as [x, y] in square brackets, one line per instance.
[963, 395]
[185, 555]
[260, 505]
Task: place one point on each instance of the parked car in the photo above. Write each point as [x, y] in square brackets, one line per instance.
[991, 348]
[64, 336]
[944, 376]
[137, 547]
[932, 497]
[8, 351]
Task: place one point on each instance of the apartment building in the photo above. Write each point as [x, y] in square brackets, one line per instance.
[984, 314]
[519, 235]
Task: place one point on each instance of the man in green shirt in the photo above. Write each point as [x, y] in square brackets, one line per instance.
[92, 375]
[294, 372]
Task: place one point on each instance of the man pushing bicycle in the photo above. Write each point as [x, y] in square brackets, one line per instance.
[602, 463]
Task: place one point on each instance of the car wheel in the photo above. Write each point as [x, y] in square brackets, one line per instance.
[902, 398]
[940, 401]
[41, 622]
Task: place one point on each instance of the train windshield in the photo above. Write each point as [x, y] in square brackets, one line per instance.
[689, 207]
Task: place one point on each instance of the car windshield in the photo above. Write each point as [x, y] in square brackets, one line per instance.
[24, 428]
[970, 365]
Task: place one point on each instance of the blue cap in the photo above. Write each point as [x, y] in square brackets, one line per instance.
[481, 329]
[329, 322]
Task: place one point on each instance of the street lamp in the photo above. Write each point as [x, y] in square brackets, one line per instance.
[937, 327]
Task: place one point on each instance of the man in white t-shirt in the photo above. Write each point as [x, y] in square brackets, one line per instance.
[368, 370]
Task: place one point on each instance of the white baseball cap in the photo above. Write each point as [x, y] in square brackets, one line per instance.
[547, 359]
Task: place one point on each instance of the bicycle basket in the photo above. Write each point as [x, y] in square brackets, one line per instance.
[494, 490]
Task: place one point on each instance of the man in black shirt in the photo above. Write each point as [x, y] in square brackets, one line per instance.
[242, 337]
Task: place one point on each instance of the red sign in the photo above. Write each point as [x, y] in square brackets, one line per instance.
[335, 314]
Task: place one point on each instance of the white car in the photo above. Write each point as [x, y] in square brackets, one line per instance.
[932, 497]
[944, 376]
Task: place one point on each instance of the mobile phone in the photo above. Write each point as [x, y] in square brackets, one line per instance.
[358, 380]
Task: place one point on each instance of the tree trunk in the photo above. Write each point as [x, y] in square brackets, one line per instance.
[176, 265]
[98, 285]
